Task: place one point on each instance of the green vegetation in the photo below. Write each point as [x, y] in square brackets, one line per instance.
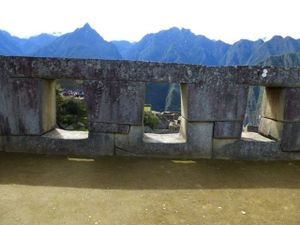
[71, 112]
[150, 119]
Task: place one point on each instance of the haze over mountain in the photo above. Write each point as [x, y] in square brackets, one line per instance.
[285, 60]
[172, 45]
[84, 42]
[9, 44]
[31, 45]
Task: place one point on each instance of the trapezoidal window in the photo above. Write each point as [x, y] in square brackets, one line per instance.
[263, 103]
[71, 112]
[162, 113]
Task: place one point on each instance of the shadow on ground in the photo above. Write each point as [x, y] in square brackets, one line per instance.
[138, 173]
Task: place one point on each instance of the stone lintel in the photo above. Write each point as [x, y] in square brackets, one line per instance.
[121, 70]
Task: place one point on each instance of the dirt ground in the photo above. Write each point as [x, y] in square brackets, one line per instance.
[38, 190]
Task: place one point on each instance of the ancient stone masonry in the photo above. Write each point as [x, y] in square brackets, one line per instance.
[213, 103]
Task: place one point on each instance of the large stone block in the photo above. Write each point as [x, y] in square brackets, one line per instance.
[199, 137]
[27, 106]
[291, 137]
[115, 102]
[215, 99]
[282, 104]
[1, 143]
[271, 128]
[286, 132]
[227, 129]
[131, 140]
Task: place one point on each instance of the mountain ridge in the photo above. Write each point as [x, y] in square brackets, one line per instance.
[171, 45]
[84, 42]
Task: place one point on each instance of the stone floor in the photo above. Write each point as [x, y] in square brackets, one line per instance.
[37, 190]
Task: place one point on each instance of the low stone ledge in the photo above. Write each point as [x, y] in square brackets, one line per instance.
[252, 146]
[66, 134]
[108, 128]
[57, 143]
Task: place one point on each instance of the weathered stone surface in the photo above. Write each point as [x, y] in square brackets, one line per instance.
[1, 143]
[48, 105]
[95, 69]
[216, 99]
[221, 143]
[115, 102]
[282, 104]
[251, 128]
[271, 128]
[228, 129]
[252, 146]
[108, 128]
[27, 106]
[199, 136]
[268, 76]
[213, 107]
[290, 140]
[133, 138]
[287, 133]
[120, 70]
[134, 144]
[5, 105]
[97, 145]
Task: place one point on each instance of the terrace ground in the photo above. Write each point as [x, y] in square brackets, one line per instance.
[36, 189]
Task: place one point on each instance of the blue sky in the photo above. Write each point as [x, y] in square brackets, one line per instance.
[228, 20]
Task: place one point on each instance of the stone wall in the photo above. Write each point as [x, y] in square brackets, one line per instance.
[213, 103]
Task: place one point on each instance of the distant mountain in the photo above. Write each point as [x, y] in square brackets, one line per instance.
[84, 42]
[285, 60]
[172, 45]
[245, 52]
[240, 53]
[175, 45]
[30, 45]
[123, 46]
[9, 45]
[182, 46]
[276, 46]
